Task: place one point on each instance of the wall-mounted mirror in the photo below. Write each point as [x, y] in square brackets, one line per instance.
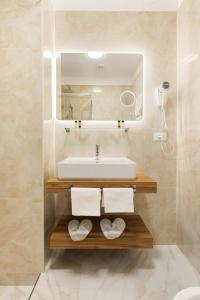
[100, 86]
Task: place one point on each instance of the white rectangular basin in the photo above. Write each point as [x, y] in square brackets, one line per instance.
[91, 168]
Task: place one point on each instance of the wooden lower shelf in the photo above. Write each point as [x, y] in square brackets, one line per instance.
[136, 235]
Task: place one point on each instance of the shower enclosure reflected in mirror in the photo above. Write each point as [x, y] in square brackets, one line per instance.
[100, 86]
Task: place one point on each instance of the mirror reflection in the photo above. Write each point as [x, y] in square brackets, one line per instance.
[100, 86]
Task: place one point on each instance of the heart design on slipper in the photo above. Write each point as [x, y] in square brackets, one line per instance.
[78, 231]
[112, 230]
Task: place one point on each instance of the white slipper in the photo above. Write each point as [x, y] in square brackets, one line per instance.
[78, 231]
[112, 230]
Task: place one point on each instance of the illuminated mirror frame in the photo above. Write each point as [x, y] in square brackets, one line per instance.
[90, 124]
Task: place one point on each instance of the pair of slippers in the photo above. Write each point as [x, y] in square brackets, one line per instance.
[78, 231]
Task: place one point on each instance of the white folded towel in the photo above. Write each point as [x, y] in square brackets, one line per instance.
[85, 201]
[78, 231]
[112, 230]
[118, 200]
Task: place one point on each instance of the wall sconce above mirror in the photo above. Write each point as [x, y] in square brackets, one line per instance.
[97, 86]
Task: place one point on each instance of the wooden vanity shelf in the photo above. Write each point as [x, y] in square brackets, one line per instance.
[143, 183]
[136, 235]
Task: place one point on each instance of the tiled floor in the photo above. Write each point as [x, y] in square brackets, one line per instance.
[15, 292]
[156, 274]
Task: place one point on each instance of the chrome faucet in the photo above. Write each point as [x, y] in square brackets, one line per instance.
[97, 152]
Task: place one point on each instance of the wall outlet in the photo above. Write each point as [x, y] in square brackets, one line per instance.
[160, 136]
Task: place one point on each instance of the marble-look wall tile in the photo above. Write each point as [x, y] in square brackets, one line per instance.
[21, 240]
[18, 19]
[159, 212]
[153, 35]
[18, 5]
[162, 167]
[26, 31]
[21, 123]
[188, 165]
[24, 83]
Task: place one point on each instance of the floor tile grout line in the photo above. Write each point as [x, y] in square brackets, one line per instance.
[29, 298]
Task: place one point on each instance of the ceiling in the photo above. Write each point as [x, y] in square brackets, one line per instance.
[117, 5]
[111, 69]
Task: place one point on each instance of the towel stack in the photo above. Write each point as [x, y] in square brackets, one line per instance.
[87, 201]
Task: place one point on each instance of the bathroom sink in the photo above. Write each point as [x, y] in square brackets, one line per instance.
[101, 168]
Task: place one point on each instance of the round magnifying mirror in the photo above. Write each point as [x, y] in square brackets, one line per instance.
[127, 98]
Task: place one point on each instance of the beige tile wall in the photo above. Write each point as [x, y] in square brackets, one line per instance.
[21, 193]
[21, 151]
[153, 35]
[188, 165]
